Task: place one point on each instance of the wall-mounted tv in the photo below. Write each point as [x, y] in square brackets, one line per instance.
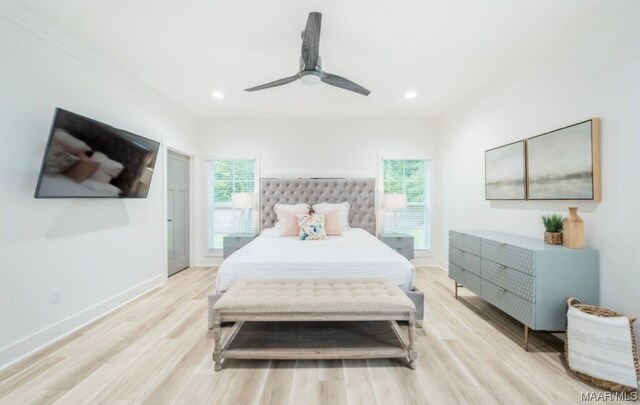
[88, 159]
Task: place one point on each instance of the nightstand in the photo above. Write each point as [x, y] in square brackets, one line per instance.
[400, 242]
[234, 241]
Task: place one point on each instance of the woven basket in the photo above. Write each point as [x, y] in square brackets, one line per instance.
[553, 238]
[605, 313]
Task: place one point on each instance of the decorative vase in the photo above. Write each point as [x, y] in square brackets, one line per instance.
[573, 230]
[553, 238]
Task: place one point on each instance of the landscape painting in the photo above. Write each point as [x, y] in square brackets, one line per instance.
[564, 164]
[505, 172]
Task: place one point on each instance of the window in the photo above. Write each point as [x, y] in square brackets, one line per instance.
[410, 177]
[224, 178]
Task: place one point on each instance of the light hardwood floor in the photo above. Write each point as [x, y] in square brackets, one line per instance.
[157, 350]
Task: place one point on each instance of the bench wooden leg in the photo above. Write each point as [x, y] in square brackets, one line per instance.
[217, 339]
[413, 354]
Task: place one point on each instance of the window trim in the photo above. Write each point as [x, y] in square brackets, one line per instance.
[217, 253]
[430, 196]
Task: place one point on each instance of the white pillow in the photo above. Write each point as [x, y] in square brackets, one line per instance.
[286, 210]
[69, 142]
[343, 208]
[110, 167]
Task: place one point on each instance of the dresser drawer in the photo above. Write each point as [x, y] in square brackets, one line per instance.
[511, 256]
[466, 260]
[407, 252]
[508, 302]
[228, 251]
[398, 241]
[236, 241]
[514, 281]
[465, 242]
[469, 280]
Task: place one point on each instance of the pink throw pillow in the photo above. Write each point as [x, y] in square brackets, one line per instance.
[290, 226]
[332, 223]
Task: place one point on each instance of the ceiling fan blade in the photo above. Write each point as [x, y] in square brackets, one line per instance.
[311, 41]
[276, 83]
[343, 83]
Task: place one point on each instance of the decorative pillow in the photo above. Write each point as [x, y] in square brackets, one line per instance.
[311, 227]
[289, 210]
[283, 210]
[69, 142]
[83, 169]
[108, 166]
[289, 226]
[58, 160]
[343, 208]
[332, 223]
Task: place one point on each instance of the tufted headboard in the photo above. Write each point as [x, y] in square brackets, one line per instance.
[359, 193]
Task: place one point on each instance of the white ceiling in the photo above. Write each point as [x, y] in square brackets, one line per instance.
[446, 50]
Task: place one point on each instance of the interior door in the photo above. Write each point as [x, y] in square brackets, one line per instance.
[177, 211]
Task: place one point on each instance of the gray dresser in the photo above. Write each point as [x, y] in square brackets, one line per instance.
[522, 276]
[234, 241]
[400, 242]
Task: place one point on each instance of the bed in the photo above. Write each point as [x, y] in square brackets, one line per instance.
[356, 253]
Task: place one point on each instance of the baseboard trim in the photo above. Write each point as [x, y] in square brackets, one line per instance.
[430, 261]
[35, 343]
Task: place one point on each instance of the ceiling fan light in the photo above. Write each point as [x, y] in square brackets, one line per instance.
[310, 79]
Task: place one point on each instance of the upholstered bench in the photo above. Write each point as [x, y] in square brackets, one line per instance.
[346, 318]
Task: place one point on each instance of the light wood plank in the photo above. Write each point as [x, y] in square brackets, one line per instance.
[157, 350]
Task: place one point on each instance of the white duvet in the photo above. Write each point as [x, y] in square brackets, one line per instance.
[356, 253]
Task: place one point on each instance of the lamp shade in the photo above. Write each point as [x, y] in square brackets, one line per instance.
[394, 201]
[242, 200]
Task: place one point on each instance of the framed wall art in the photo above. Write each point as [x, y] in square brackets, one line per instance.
[505, 172]
[565, 164]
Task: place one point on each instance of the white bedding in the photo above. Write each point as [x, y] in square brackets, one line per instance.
[356, 253]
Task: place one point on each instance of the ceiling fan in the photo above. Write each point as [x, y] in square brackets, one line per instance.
[310, 71]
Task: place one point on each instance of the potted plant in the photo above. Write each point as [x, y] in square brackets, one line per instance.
[553, 229]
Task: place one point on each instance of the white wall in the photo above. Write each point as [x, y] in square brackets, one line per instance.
[596, 76]
[100, 253]
[311, 148]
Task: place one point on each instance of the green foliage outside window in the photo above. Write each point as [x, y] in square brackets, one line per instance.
[232, 176]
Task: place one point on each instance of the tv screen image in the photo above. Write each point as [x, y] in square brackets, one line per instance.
[85, 158]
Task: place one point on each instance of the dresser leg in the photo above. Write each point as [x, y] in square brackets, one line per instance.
[457, 285]
[526, 338]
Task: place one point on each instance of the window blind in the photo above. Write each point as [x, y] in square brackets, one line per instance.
[410, 177]
[226, 177]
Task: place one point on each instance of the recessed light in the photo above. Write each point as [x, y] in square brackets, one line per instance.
[217, 94]
[410, 94]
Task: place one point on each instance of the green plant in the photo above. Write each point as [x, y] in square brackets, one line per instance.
[552, 222]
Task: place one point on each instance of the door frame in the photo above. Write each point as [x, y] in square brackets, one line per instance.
[165, 217]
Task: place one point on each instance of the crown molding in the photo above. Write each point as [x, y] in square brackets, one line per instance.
[26, 20]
